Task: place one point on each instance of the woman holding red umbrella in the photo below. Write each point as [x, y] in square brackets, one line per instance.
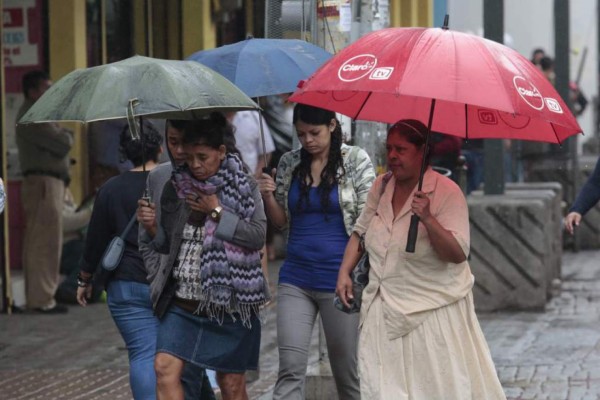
[419, 335]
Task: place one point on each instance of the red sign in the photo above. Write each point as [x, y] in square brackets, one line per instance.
[22, 43]
[12, 18]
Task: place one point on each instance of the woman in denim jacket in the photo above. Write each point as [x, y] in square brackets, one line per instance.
[318, 194]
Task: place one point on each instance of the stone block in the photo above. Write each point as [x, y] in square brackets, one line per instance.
[509, 248]
[522, 190]
[551, 194]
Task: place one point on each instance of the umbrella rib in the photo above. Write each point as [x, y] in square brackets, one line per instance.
[410, 57]
[174, 92]
[495, 67]
[555, 134]
[466, 124]
[362, 105]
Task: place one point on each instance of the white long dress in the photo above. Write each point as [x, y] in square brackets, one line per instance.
[419, 335]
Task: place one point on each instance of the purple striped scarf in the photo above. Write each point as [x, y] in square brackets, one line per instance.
[231, 277]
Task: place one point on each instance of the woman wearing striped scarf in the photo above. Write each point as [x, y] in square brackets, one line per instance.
[212, 227]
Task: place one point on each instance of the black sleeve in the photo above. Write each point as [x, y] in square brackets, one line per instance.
[100, 233]
[589, 194]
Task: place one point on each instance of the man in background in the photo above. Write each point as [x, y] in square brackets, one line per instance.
[249, 139]
[43, 155]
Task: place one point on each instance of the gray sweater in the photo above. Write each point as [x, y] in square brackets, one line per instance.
[157, 179]
[43, 147]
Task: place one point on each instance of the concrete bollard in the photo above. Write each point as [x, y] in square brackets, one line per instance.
[557, 230]
[508, 252]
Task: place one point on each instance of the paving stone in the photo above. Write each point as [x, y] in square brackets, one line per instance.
[507, 374]
[538, 355]
[525, 373]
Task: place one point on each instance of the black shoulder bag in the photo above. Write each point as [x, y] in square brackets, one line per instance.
[360, 273]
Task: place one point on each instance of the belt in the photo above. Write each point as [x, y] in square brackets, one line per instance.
[44, 173]
[190, 306]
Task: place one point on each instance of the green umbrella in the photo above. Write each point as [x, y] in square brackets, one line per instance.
[138, 86]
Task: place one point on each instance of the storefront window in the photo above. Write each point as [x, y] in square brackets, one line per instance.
[117, 26]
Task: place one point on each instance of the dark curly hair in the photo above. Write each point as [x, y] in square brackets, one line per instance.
[32, 81]
[212, 131]
[131, 149]
[334, 170]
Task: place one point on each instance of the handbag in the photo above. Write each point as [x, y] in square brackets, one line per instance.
[360, 273]
[114, 251]
[360, 279]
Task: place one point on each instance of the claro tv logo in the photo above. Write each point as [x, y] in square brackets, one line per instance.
[532, 96]
[360, 66]
[529, 93]
[357, 67]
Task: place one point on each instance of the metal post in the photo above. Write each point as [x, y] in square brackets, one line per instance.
[562, 51]
[561, 61]
[493, 152]
[149, 28]
[4, 231]
[595, 102]
[103, 34]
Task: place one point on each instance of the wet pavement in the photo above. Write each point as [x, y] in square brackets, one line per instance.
[555, 354]
[549, 355]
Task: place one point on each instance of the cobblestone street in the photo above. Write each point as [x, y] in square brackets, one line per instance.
[550, 355]
[556, 354]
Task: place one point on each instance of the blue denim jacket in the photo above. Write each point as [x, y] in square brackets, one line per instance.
[353, 187]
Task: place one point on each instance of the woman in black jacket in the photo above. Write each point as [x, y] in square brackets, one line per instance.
[128, 290]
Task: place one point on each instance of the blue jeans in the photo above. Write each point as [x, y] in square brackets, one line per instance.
[130, 306]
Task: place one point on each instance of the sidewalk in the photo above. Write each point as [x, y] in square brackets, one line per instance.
[556, 354]
[80, 355]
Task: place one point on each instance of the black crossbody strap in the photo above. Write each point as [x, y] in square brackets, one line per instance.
[128, 227]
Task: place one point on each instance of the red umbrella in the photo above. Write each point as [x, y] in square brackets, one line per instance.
[461, 84]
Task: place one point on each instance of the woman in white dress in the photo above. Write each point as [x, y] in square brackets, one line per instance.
[419, 335]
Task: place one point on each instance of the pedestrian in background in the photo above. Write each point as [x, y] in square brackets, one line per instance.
[196, 384]
[278, 112]
[43, 156]
[127, 287]
[75, 223]
[536, 55]
[319, 192]
[249, 139]
[419, 337]
[209, 290]
[586, 199]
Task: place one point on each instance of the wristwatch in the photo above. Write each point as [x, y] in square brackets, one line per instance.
[215, 213]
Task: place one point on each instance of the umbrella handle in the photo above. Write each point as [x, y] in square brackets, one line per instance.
[412, 234]
[414, 219]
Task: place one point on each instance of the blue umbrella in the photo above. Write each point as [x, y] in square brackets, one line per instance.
[263, 67]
